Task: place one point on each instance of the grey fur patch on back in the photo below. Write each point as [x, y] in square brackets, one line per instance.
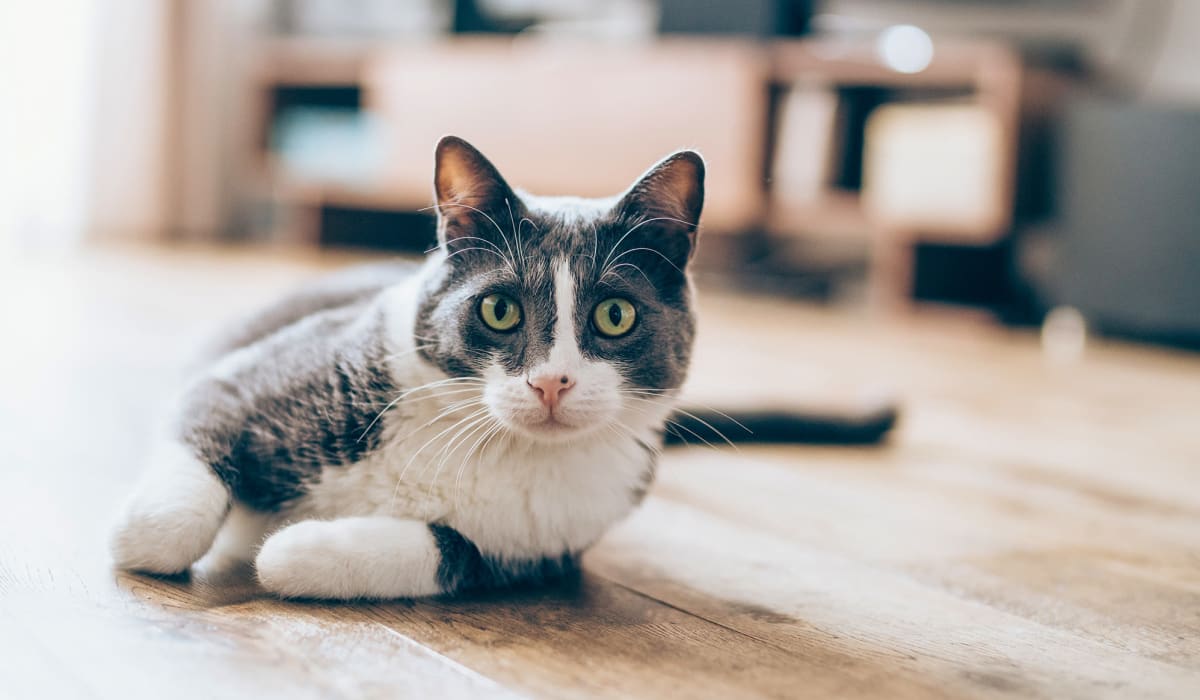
[306, 401]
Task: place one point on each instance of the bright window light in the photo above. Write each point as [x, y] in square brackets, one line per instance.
[905, 48]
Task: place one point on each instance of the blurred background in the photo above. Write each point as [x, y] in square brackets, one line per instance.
[997, 157]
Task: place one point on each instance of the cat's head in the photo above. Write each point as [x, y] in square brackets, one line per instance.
[575, 313]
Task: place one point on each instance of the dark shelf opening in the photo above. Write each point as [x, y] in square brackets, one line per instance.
[378, 229]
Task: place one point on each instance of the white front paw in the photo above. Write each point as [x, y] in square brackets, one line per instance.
[374, 557]
[299, 561]
[160, 541]
[172, 519]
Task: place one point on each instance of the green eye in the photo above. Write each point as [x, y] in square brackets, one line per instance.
[614, 317]
[500, 312]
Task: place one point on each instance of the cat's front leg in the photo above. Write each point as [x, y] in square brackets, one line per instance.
[174, 514]
[347, 558]
[382, 557]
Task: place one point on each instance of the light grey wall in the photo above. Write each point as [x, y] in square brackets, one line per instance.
[1176, 74]
[1151, 46]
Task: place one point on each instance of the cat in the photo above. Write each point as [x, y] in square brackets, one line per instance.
[474, 422]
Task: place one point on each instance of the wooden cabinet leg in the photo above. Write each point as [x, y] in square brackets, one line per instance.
[890, 282]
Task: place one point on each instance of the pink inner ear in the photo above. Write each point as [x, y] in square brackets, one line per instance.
[453, 180]
[460, 182]
[673, 189]
[676, 188]
[464, 176]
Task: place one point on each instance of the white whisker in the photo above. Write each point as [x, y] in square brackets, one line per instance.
[696, 418]
[460, 438]
[613, 271]
[649, 250]
[496, 426]
[634, 228]
[404, 470]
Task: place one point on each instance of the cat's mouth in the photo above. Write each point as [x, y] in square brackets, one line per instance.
[553, 423]
[552, 427]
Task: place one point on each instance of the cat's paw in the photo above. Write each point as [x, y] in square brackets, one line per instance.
[295, 563]
[350, 558]
[172, 517]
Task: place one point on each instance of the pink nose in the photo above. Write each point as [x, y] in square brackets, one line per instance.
[550, 387]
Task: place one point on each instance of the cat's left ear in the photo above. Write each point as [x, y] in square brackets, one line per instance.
[471, 194]
[667, 201]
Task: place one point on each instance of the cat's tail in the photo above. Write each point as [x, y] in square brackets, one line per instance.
[707, 426]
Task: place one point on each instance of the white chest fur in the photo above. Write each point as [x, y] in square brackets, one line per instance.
[509, 496]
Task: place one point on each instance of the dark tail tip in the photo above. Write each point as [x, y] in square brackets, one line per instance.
[706, 426]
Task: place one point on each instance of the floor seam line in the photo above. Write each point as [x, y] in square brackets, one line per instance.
[689, 613]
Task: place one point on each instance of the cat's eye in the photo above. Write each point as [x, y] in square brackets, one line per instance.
[500, 312]
[614, 317]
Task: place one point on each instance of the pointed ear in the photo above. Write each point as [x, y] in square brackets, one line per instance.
[471, 194]
[668, 198]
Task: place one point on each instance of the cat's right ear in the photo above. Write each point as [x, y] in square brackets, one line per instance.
[664, 205]
[471, 194]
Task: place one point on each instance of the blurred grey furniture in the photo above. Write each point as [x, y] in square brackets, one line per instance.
[763, 18]
[1129, 253]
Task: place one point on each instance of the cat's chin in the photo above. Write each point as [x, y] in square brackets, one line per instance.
[552, 430]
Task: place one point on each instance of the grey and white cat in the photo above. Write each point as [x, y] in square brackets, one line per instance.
[476, 421]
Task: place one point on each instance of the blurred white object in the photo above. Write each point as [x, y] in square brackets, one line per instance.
[937, 169]
[369, 17]
[1064, 335]
[804, 151]
[905, 48]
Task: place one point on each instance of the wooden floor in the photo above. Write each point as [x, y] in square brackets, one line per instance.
[1033, 530]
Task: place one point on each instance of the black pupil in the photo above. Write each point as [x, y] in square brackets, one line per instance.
[615, 314]
[500, 309]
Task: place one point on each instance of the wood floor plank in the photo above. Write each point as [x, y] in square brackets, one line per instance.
[1021, 555]
[272, 654]
[1137, 606]
[805, 599]
[598, 639]
[904, 507]
[333, 649]
[198, 638]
